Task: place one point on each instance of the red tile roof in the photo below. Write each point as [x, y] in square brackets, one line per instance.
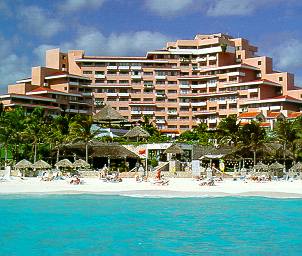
[42, 89]
[294, 115]
[265, 124]
[249, 114]
[273, 114]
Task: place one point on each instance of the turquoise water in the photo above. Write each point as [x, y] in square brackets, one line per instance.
[116, 225]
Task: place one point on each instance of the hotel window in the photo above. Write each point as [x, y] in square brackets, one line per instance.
[172, 91]
[148, 73]
[123, 99]
[99, 81]
[280, 79]
[172, 82]
[135, 99]
[87, 72]
[172, 100]
[124, 81]
[212, 108]
[148, 99]
[124, 73]
[259, 62]
[123, 108]
[111, 81]
[184, 127]
[99, 72]
[111, 72]
[99, 64]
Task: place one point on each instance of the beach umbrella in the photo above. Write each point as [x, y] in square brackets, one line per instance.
[80, 163]
[261, 166]
[23, 164]
[137, 132]
[276, 166]
[41, 165]
[174, 149]
[297, 167]
[65, 163]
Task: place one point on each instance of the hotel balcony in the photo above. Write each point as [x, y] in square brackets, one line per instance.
[74, 83]
[174, 113]
[160, 77]
[237, 73]
[136, 67]
[123, 67]
[212, 58]
[212, 121]
[87, 93]
[198, 86]
[111, 94]
[184, 86]
[160, 95]
[100, 76]
[198, 104]
[201, 59]
[211, 84]
[111, 67]
[160, 121]
[136, 76]
[148, 112]
[185, 104]
[136, 112]
[252, 90]
[123, 94]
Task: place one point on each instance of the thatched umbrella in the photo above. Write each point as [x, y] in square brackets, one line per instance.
[261, 166]
[65, 163]
[23, 164]
[297, 167]
[174, 149]
[108, 115]
[276, 166]
[41, 165]
[80, 163]
[137, 132]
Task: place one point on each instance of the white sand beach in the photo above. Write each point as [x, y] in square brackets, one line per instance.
[178, 187]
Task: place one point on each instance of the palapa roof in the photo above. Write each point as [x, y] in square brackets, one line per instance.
[137, 132]
[23, 164]
[276, 166]
[113, 151]
[108, 114]
[260, 166]
[80, 163]
[296, 167]
[41, 165]
[174, 149]
[65, 163]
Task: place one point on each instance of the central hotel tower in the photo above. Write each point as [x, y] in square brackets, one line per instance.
[178, 87]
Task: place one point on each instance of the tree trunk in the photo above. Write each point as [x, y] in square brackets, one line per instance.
[35, 152]
[58, 154]
[254, 152]
[86, 152]
[5, 155]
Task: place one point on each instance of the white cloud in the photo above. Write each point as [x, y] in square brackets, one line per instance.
[36, 21]
[77, 5]
[95, 43]
[287, 54]
[232, 7]
[168, 7]
[12, 67]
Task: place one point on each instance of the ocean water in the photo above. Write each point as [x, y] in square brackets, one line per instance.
[119, 225]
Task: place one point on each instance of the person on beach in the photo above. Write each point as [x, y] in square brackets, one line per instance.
[158, 175]
[141, 173]
[103, 172]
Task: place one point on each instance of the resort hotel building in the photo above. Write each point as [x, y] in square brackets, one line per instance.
[188, 82]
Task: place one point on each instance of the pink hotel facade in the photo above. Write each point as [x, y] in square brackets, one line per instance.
[187, 82]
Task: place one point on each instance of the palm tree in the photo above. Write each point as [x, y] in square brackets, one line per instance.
[59, 133]
[286, 133]
[81, 130]
[228, 130]
[36, 129]
[252, 136]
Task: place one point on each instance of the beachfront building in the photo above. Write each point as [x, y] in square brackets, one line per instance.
[188, 82]
[54, 90]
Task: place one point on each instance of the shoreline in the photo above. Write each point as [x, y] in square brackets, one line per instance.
[178, 187]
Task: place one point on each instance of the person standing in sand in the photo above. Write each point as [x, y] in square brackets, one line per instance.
[103, 172]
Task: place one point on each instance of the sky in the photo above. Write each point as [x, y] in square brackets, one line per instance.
[132, 27]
